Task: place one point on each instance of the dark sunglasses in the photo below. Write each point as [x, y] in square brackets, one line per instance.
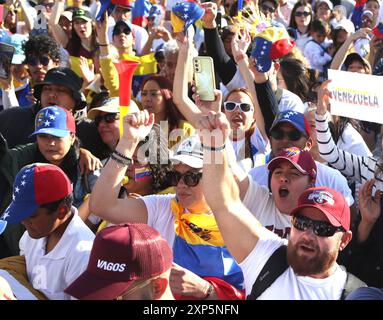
[320, 228]
[34, 61]
[108, 118]
[265, 8]
[302, 13]
[118, 31]
[49, 5]
[190, 178]
[231, 106]
[279, 134]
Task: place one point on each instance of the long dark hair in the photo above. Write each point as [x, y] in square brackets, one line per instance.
[74, 44]
[302, 3]
[174, 116]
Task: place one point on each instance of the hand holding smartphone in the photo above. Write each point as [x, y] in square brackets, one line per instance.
[204, 77]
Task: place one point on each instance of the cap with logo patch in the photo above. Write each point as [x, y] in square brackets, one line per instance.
[120, 256]
[330, 202]
[189, 152]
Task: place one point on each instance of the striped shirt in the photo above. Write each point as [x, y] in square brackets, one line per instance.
[354, 167]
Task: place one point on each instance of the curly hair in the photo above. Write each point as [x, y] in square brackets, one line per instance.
[40, 45]
[157, 153]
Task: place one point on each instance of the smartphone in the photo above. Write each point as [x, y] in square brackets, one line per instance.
[6, 54]
[204, 77]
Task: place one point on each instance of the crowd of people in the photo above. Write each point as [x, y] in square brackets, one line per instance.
[261, 193]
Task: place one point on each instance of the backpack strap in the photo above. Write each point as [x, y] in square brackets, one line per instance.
[352, 283]
[274, 267]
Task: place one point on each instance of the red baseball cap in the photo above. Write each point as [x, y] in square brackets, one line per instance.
[300, 159]
[120, 256]
[332, 203]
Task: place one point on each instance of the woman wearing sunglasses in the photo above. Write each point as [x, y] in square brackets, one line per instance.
[300, 23]
[250, 147]
[184, 219]
[55, 132]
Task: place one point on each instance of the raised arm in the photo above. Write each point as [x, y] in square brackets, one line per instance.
[58, 32]
[104, 200]
[340, 56]
[221, 190]
[239, 48]
[224, 65]
[180, 85]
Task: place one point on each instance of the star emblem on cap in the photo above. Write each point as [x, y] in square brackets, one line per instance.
[47, 123]
[52, 117]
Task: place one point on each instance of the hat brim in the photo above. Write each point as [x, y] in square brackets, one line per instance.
[93, 113]
[329, 217]
[75, 94]
[90, 287]
[18, 211]
[189, 160]
[3, 225]
[355, 56]
[302, 130]
[85, 18]
[273, 164]
[51, 131]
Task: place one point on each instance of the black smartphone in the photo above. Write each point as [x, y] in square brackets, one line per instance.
[6, 54]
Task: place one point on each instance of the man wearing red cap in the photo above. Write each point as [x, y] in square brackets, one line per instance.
[127, 262]
[320, 229]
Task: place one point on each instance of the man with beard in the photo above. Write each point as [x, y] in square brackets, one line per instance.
[320, 228]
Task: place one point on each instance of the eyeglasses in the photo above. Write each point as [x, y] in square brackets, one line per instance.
[302, 13]
[320, 228]
[34, 61]
[108, 118]
[190, 178]
[279, 134]
[118, 31]
[265, 8]
[231, 106]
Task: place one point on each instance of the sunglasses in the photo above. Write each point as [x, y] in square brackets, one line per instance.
[231, 106]
[118, 31]
[34, 61]
[320, 228]
[302, 13]
[265, 8]
[279, 134]
[190, 178]
[108, 118]
[49, 5]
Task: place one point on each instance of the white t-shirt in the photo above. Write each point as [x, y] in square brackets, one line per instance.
[353, 142]
[52, 273]
[160, 215]
[289, 286]
[326, 177]
[261, 204]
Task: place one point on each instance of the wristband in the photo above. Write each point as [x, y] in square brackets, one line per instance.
[213, 149]
[209, 291]
[121, 155]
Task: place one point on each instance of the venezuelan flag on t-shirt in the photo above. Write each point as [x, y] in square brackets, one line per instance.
[199, 247]
[146, 68]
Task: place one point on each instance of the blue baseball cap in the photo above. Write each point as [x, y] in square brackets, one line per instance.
[35, 185]
[296, 119]
[55, 121]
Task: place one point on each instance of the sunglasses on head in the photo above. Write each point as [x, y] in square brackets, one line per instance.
[34, 61]
[108, 118]
[279, 134]
[190, 178]
[118, 31]
[302, 13]
[231, 106]
[320, 228]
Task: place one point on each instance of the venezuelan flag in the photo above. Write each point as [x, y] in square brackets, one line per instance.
[199, 247]
[142, 174]
[378, 30]
[140, 12]
[147, 67]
